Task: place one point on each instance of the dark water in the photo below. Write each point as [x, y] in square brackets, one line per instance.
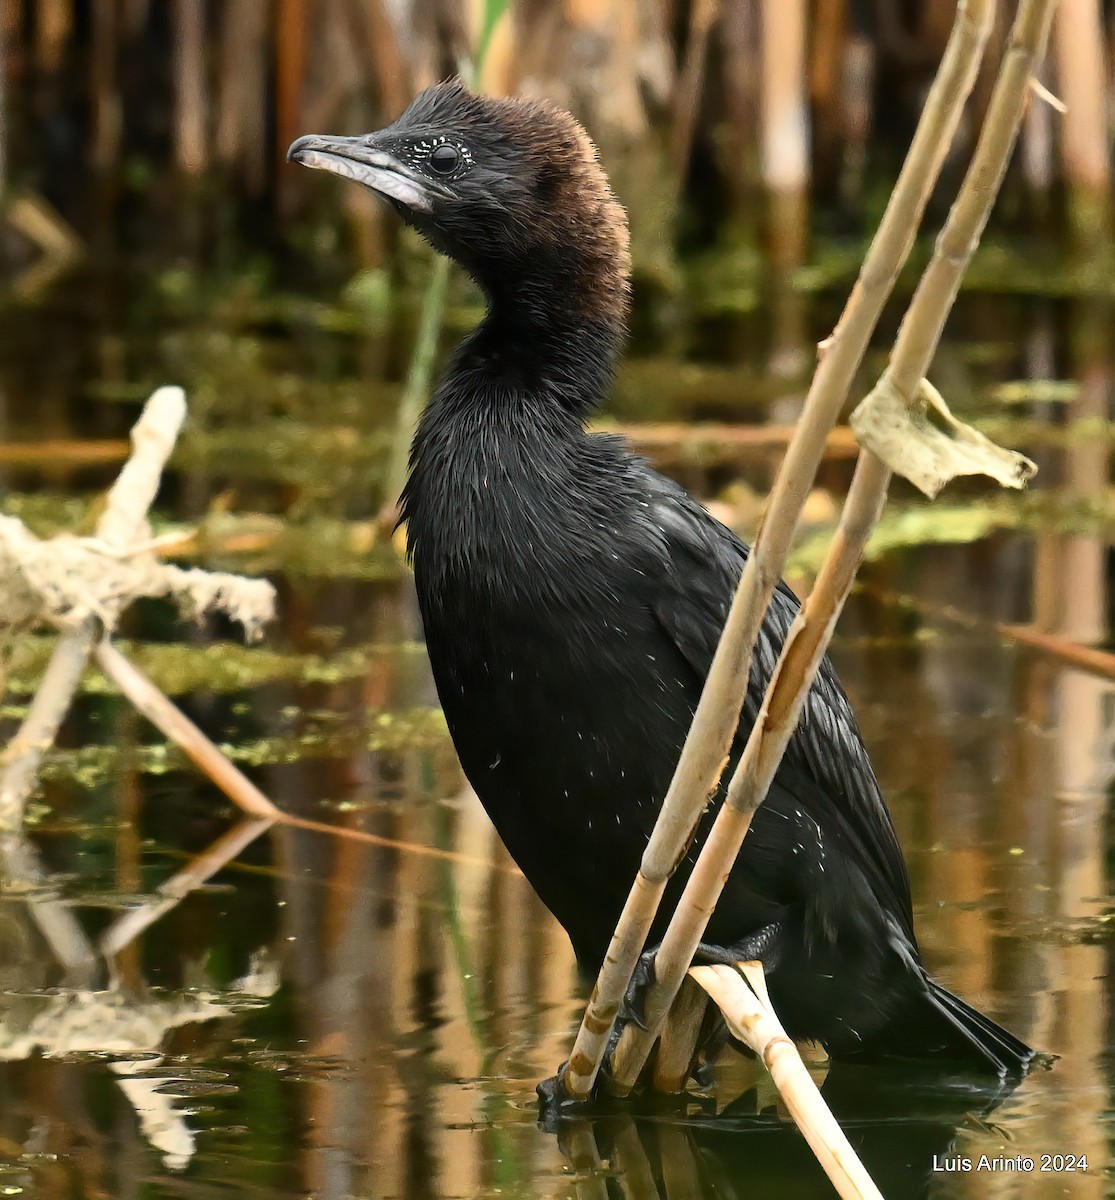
[349, 1016]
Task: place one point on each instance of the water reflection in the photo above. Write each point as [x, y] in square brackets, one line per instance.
[902, 1127]
[124, 1031]
[407, 1004]
[283, 1012]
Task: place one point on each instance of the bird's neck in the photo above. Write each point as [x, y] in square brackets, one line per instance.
[505, 428]
[542, 347]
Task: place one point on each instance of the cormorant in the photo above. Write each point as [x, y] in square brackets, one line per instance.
[572, 599]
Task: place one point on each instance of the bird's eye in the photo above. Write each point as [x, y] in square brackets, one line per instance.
[444, 158]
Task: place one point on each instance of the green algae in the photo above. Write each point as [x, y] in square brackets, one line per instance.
[313, 545]
[657, 389]
[323, 734]
[319, 458]
[1034, 391]
[177, 668]
[905, 526]
[318, 547]
[899, 529]
[46, 513]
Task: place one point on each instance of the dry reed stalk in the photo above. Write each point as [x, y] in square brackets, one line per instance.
[785, 111]
[808, 637]
[742, 998]
[54, 21]
[831, 101]
[64, 452]
[613, 28]
[135, 15]
[634, 1173]
[828, 35]
[924, 321]
[191, 117]
[381, 41]
[684, 1173]
[5, 40]
[12, 21]
[241, 123]
[856, 106]
[289, 31]
[590, 1179]
[1037, 148]
[678, 1044]
[107, 117]
[690, 84]
[494, 35]
[715, 722]
[1082, 84]
[801, 654]
[737, 38]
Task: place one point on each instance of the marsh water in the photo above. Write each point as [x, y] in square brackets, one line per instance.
[367, 1013]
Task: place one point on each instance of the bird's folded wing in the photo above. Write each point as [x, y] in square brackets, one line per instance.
[701, 564]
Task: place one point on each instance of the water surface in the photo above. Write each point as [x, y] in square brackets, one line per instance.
[368, 1016]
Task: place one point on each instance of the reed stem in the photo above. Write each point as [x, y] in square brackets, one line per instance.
[716, 720]
[809, 635]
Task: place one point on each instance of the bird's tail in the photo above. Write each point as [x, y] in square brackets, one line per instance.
[930, 1023]
[971, 1036]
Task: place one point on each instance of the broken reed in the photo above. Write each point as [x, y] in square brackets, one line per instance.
[793, 98]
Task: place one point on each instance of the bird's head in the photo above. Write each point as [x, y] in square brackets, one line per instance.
[509, 188]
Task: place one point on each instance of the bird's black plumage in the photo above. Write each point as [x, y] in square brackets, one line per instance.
[572, 599]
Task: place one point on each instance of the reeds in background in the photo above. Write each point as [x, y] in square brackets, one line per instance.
[699, 106]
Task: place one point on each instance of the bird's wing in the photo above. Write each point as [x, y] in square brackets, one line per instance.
[703, 563]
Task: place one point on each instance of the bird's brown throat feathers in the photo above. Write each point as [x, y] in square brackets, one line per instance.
[576, 248]
[559, 287]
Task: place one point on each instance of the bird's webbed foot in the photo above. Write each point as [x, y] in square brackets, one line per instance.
[643, 978]
[764, 946]
[551, 1092]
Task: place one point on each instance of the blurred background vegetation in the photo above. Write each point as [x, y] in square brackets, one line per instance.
[161, 125]
[403, 1004]
[142, 161]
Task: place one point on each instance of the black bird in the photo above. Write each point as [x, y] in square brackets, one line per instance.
[572, 599]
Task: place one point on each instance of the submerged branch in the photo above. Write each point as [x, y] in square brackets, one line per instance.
[123, 521]
[208, 758]
[126, 928]
[83, 584]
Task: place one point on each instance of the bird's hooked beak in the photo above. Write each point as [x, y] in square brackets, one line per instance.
[357, 158]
